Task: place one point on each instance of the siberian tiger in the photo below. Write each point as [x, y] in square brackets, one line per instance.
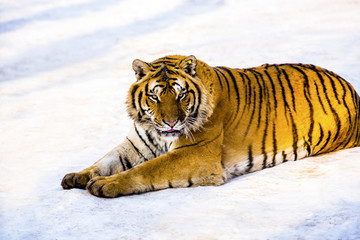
[196, 125]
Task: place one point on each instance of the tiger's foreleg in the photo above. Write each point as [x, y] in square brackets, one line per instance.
[103, 167]
[136, 149]
[185, 166]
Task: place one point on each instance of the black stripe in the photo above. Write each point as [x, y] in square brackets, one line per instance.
[286, 106]
[248, 96]
[190, 183]
[164, 89]
[336, 138]
[91, 182]
[189, 145]
[320, 137]
[273, 92]
[166, 148]
[344, 100]
[100, 192]
[222, 164]
[266, 129]
[142, 111]
[247, 90]
[319, 97]
[122, 163]
[226, 80]
[136, 149]
[137, 132]
[171, 64]
[288, 111]
[127, 163]
[163, 62]
[251, 159]
[336, 116]
[333, 87]
[353, 94]
[157, 64]
[147, 89]
[261, 91]
[357, 135]
[171, 58]
[219, 79]
[295, 136]
[274, 145]
[263, 144]
[194, 96]
[196, 111]
[169, 71]
[291, 89]
[353, 131]
[133, 95]
[156, 75]
[350, 134]
[330, 75]
[322, 84]
[236, 90]
[252, 113]
[197, 143]
[284, 156]
[307, 97]
[307, 147]
[326, 142]
[151, 140]
[352, 126]
[147, 102]
[187, 86]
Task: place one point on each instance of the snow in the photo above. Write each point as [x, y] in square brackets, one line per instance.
[65, 68]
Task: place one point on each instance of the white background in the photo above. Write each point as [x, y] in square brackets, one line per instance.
[65, 68]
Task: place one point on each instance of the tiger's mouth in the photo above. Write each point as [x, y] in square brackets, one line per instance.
[170, 133]
[171, 130]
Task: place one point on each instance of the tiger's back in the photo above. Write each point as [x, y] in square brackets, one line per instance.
[285, 112]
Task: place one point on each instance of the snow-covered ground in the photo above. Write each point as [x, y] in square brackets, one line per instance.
[65, 67]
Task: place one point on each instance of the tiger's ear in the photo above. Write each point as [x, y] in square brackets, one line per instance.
[188, 64]
[141, 68]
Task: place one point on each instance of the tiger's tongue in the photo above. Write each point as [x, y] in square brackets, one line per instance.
[171, 130]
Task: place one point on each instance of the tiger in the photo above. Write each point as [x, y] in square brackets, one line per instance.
[197, 125]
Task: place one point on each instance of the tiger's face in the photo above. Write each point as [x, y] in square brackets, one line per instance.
[168, 97]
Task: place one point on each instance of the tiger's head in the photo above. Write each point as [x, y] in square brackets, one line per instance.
[168, 96]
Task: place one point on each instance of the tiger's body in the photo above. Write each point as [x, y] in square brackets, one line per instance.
[200, 125]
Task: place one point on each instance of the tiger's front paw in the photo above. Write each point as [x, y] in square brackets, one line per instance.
[75, 180]
[105, 187]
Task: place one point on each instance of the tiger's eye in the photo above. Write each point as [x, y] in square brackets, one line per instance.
[181, 96]
[154, 98]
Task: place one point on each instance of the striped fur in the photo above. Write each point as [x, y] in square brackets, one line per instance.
[200, 125]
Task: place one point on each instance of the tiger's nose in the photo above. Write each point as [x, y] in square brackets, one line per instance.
[171, 123]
